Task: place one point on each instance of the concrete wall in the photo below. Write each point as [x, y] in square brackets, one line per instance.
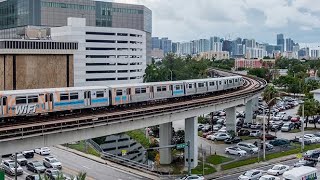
[35, 71]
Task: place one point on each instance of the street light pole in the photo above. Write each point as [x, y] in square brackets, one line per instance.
[302, 126]
[264, 135]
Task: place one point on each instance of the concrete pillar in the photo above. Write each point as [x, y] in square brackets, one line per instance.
[165, 135]
[255, 104]
[249, 111]
[231, 124]
[191, 134]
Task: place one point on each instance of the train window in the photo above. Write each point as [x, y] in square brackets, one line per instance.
[119, 92]
[236, 80]
[138, 91]
[64, 97]
[190, 86]
[178, 87]
[100, 94]
[21, 100]
[200, 85]
[4, 101]
[211, 83]
[225, 82]
[164, 88]
[230, 81]
[143, 90]
[220, 82]
[32, 99]
[159, 89]
[74, 96]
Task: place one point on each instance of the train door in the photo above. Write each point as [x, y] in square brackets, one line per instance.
[49, 101]
[87, 98]
[3, 105]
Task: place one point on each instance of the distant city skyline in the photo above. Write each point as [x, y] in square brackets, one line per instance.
[252, 19]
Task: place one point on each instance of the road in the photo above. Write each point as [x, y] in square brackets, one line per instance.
[73, 164]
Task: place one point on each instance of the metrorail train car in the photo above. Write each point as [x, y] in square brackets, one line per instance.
[41, 101]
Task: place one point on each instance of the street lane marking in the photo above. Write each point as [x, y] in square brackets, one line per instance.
[86, 167]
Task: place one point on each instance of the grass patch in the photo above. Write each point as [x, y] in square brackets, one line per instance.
[207, 169]
[216, 159]
[80, 146]
[247, 137]
[310, 128]
[269, 156]
[140, 137]
[295, 131]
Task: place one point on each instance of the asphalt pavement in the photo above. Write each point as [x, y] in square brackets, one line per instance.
[72, 164]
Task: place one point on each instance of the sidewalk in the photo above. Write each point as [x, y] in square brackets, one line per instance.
[148, 175]
[250, 166]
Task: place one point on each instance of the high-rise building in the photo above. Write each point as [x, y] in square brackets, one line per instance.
[280, 41]
[175, 47]
[166, 45]
[204, 45]
[289, 44]
[17, 14]
[155, 43]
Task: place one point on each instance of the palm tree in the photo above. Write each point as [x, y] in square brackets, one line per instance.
[269, 96]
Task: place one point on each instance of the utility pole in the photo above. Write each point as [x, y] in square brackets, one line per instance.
[189, 158]
[302, 126]
[264, 135]
[15, 166]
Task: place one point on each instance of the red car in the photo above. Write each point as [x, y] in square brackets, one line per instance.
[204, 135]
[295, 119]
[268, 137]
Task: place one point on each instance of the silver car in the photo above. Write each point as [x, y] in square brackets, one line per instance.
[52, 162]
[9, 167]
[20, 159]
[249, 147]
[220, 136]
[251, 174]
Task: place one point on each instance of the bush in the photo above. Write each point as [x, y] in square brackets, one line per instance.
[207, 169]
[140, 137]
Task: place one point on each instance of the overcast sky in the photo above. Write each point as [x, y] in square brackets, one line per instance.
[184, 20]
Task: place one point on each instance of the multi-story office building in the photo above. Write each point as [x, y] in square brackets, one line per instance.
[289, 44]
[155, 43]
[16, 14]
[280, 41]
[105, 55]
[315, 53]
[166, 45]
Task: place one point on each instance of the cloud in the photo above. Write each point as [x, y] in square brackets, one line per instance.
[261, 19]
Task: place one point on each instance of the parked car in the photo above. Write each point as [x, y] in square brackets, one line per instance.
[255, 133]
[246, 125]
[251, 174]
[9, 167]
[42, 151]
[33, 177]
[299, 140]
[20, 159]
[269, 177]
[233, 140]
[235, 151]
[220, 136]
[255, 126]
[189, 177]
[275, 127]
[200, 126]
[52, 174]
[269, 147]
[243, 132]
[280, 142]
[204, 135]
[312, 155]
[278, 169]
[28, 154]
[52, 162]
[36, 167]
[287, 127]
[303, 162]
[295, 119]
[217, 127]
[312, 136]
[268, 137]
[249, 147]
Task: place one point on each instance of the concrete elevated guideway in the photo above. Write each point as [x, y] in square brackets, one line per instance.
[16, 138]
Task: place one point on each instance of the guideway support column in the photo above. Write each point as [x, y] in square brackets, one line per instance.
[231, 124]
[249, 111]
[191, 134]
[165, 135]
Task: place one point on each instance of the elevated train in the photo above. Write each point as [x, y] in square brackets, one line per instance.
[28, 102]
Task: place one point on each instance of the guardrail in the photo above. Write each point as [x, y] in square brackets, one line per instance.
[125, 161]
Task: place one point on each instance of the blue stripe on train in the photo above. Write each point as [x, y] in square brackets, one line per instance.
[68, 103]
[100, 100]
[178, 92]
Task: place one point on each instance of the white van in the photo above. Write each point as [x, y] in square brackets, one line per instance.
[301, 173]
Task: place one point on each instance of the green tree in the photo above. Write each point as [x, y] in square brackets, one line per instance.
[261, 73]
[269, 95]
[311, 108]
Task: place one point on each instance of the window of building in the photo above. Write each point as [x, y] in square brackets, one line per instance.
[123, 78]
[32, 99]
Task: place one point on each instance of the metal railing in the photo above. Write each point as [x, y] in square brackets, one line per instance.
[125, 161]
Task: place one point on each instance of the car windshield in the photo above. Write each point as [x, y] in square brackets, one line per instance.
[12, 165]
[37, 164]
[248, 173]
[252, 146]
[276, 168]
[53, 160]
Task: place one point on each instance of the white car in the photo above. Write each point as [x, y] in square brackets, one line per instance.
[235, 151]
[193, 177]
[278, 117]
[249, 147]
[317, 139]
[255, 133]
[269, 177]
[52, 162]
[311, 139]
[251, 174]
[220, 136]
[43, 151]
[278, 169]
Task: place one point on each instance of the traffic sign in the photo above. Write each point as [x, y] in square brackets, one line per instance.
[299, 156]
[181, 146]
[124, 152]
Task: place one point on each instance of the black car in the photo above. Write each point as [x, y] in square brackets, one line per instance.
[305, 163]
[312, 155]
[280, 142]
[233, 140]
[246, 125]
[33, 177]
[36, 167]
[243, 132]
[28, 154]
